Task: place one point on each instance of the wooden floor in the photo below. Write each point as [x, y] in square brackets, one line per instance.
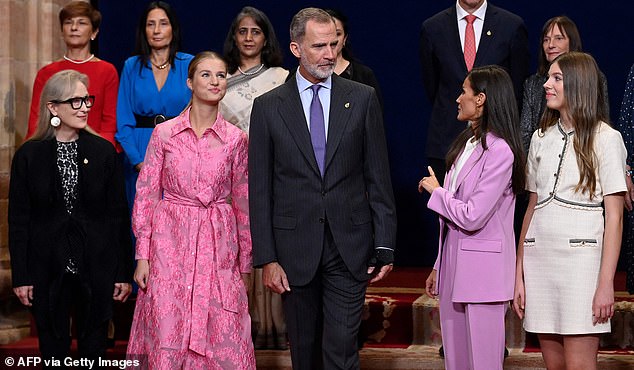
[427, 358]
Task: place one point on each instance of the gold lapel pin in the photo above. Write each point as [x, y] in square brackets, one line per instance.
[488, 33]
[347, 105]
[85, 160]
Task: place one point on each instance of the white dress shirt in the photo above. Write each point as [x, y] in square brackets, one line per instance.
[306, 96]
[478, 24]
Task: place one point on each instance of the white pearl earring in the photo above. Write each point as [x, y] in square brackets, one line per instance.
[55, 121]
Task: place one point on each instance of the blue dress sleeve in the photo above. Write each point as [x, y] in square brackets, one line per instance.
[126, 122]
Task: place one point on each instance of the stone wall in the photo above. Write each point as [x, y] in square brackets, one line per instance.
[29, 39]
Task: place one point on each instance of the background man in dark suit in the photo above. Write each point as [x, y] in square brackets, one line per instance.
[322, 210]
[501, 38]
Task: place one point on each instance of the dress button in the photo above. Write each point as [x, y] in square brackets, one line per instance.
[555, 175]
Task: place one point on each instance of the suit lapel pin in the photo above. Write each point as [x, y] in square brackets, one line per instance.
[489, 33]
[347, 105]
[85, 160]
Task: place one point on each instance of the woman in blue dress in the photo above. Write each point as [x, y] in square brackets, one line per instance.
[152, 88]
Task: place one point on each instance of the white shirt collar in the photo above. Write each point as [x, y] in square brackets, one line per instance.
[479, 13]
[303, 84]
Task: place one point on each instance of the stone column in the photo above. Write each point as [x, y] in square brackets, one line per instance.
[29, 39]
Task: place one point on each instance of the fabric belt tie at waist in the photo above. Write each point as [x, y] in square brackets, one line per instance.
[150, 121]
[201, 201]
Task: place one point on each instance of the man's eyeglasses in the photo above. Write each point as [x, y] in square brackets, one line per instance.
[75, 103]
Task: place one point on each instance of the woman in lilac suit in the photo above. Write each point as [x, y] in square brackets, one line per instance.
[475, 269]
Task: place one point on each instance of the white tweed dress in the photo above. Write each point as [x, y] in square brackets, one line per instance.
[562, 249]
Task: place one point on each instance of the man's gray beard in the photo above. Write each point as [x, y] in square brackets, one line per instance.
[314, 71]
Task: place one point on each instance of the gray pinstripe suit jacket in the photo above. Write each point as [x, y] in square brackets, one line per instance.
[290, 202]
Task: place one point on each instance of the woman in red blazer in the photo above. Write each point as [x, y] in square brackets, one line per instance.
[474, 273]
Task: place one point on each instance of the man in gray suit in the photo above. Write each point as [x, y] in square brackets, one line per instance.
[323, 220]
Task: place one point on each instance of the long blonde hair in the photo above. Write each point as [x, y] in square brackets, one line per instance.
[583, 96]
[60, 86]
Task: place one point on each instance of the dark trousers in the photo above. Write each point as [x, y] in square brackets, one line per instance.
[91, 341]
[323, 317]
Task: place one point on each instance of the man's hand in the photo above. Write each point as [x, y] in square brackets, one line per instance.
[274, 278]
[383, 260]
[25, 294]
[121, 291]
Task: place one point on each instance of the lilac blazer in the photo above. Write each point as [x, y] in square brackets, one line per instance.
[479, 223]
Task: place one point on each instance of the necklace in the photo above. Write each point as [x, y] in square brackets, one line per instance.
[161, 66]
[79, 61]
[251, 73]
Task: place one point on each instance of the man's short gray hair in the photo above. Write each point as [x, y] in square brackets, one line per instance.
[298, 24]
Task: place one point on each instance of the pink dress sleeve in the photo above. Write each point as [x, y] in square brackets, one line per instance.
[240, 202]
[149, 190]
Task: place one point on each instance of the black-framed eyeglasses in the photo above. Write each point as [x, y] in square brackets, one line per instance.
[76, 102]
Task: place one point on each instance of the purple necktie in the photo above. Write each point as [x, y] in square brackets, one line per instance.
[318, 129]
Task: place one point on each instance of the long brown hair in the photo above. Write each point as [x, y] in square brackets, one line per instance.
[582, 96]
[499, 116]
[59, 87]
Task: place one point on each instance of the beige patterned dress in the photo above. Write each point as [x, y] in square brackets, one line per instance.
[562, 249]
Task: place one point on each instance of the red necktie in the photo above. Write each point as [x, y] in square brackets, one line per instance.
[469, 42]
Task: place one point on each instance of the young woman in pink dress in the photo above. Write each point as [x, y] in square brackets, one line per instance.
[193, 246]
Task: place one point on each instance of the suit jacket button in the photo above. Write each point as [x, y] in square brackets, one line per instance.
[323, 193]
[322, 220]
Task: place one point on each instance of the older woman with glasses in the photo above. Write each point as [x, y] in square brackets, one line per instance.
[68, 223]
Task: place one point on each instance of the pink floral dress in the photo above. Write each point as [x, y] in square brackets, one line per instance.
[191, 221]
